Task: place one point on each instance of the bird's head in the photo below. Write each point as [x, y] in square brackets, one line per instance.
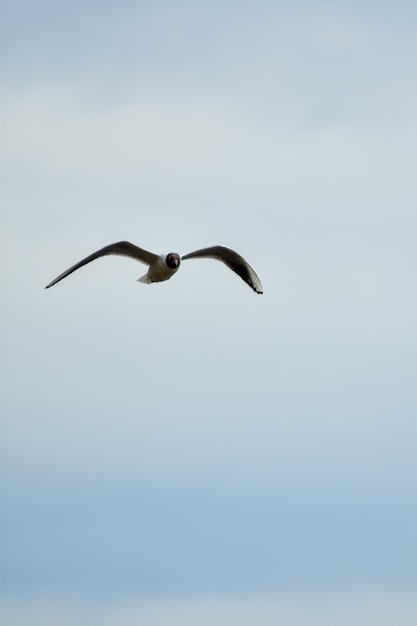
[173, 260]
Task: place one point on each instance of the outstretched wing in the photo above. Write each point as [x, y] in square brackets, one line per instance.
[123, 248]
[233, 260]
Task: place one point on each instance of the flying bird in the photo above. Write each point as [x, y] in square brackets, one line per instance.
[162, 267]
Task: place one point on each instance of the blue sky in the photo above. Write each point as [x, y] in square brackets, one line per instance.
[189, 452]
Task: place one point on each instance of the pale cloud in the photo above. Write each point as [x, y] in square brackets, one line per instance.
[361, 609]
[203, 150]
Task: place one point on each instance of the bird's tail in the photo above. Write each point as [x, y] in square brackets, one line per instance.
[144, 279]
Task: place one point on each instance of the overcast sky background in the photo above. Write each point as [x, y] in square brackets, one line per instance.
[190, 452]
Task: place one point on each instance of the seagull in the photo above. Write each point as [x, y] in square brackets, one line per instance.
[163, 266]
